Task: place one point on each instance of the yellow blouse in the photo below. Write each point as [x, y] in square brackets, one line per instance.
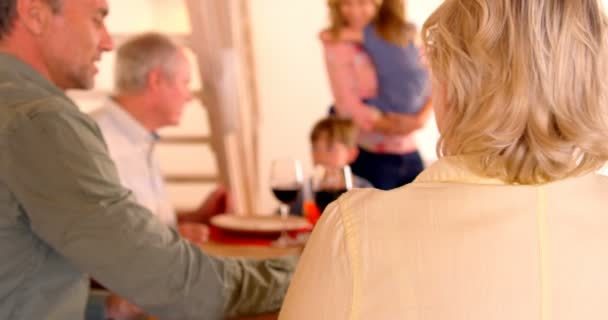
[457, 246]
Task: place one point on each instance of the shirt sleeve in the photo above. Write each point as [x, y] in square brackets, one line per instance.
[322, 286]
[341, 73]
[261, 284]
[62, 176]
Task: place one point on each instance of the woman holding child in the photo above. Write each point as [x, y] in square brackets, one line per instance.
[378, 81]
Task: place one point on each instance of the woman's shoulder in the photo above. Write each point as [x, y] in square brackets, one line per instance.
[360, 195]
[360, 202]
[349, 205]
[361, 206]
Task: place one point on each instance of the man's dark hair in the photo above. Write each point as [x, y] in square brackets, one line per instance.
[8, 11]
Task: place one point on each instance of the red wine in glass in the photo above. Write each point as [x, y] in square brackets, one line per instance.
[286, 195]
[324, 197]
[329, 183]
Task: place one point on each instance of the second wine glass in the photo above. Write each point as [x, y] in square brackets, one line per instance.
[329, 183]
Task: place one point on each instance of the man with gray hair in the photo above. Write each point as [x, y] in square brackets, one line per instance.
[63, 212]
[152, 76]
[151, 80]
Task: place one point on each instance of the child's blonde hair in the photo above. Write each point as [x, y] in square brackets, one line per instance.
[335, 130]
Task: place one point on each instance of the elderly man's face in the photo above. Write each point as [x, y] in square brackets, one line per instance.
[174, 92]
[73, 42]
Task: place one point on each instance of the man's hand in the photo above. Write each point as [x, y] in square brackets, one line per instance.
[196, 233]
[219, 201]
[120, 309]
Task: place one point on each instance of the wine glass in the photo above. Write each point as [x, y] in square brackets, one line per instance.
[286, 180]
[329, 183]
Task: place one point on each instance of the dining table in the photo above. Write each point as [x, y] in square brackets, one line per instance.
[256, 251]
[250, 251]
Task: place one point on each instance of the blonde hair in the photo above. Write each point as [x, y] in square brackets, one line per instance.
[525, 85]
[140, 55]
[390, 21]
[335, 130]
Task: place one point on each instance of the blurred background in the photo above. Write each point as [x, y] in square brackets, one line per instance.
[260, 83]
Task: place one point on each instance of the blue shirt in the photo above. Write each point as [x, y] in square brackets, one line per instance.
[402, 79]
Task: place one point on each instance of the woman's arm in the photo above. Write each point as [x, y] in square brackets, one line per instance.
[342, 75]
[406, 124]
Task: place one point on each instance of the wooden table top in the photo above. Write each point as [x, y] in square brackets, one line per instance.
[248, 251]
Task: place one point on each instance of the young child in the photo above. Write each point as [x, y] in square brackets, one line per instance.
[403, 82]
[334, 145]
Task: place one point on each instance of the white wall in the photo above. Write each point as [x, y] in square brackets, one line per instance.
[294, 92]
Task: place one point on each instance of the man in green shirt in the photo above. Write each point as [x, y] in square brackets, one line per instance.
[63, 212]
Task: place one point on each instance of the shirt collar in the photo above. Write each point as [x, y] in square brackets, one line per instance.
[131, 128]
[454, 169]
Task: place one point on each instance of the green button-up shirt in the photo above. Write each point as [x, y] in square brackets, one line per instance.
[64, 216]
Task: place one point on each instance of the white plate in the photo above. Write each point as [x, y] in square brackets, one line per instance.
[264, 224]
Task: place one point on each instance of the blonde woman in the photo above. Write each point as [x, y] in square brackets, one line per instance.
[511, 222]
[377, 80]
